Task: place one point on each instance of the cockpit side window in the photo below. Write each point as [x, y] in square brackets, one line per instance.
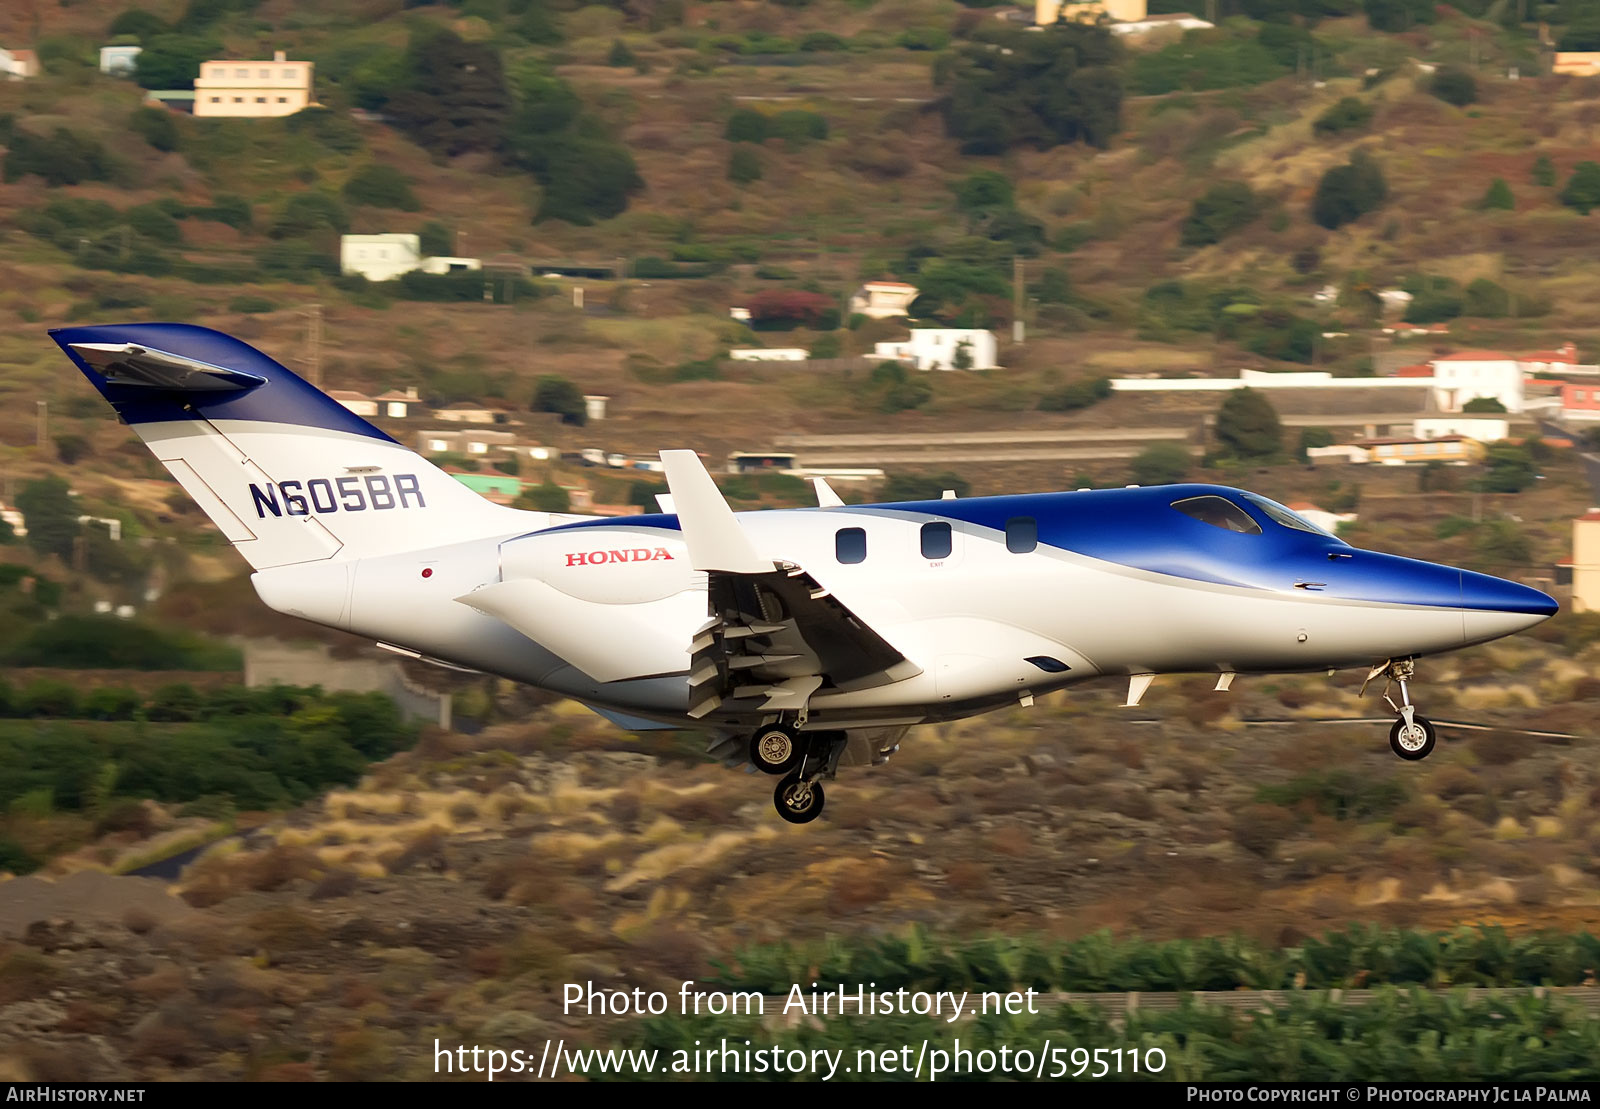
[1219, 512]
[1285, 516]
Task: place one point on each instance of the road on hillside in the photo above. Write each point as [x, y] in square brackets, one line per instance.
[941, 440]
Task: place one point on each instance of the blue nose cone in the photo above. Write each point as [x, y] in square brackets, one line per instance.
[1483, 593]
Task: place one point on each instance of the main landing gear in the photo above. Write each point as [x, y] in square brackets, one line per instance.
[1412, 736]
[803, 759]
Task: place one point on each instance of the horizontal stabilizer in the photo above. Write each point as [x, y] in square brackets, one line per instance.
[130, 364]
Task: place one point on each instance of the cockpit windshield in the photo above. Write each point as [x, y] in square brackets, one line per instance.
[1219, 512]
[1287, 517]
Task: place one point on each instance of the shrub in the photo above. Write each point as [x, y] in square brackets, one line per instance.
[1582, 191]
[1498, 196]
[1161, 464]
[1260, 829]
[1225, 207]
[156, 126]
[1543, 171]
[1348, 192]
[1454, 86]
[61, 158]
[558, 395]
[380, 186]
[796, 126]
[746, 125]
[1079, 394]
[1248, 426]
[1351, 113]
[744, 165]
[251, 305]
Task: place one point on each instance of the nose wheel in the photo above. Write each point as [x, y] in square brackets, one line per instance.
[1412, 736]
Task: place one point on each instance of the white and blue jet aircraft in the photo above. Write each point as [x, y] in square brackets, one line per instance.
[800, 638]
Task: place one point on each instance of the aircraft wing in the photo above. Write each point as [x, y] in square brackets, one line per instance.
[775, 635]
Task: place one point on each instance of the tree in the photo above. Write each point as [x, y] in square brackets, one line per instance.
[785, 309]
[827, 345]
[379, 186]
[746, 125]
[1503, 543]
[1248, 427]
[453, 99]
[1582, 191]
[141, 25]
[1351, 113]
[1483, 404]
[744, 165]
[1485, 298]
[156, 126]
[1544, 171]
[1348, 192]
[1161, 464]
[962, 358]
[1311, 437]
[173, 61]
[1397, 15]
[1498, 197]
[557, 394]
[1224, 208]
[1054, 286]
[436, 240]
[620, 56]
[548, 497]
[1454, 86]
[1059, 85]
[61, 158]
[307, 213]
[984, 191]
[1510, 469]
[70, 448]
[51, 515]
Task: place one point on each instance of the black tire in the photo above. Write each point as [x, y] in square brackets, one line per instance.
[1409, 749]
[775, 750]
[803, 813]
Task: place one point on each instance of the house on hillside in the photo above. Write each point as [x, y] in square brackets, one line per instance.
[441, 441]
[883, 300]
[1046, 12]
[464, 412]
[1586, 562]
[769, 354]
[120, 60]
[1405, 452]
[1469, 374]
[253, 89]
[17, 64]
[1172, 21]
[941, 348]
[380, 257]
[1576, 63]
[359, 403]
[397, 403]
[1563, 360]
[1580, 402]
[173, 100]
[13, 516]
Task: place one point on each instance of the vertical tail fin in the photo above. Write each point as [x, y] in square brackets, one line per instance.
[288, 474]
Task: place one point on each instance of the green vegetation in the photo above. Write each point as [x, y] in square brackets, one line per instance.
[381, 186]
[1248, 427]
[1543, 171]
[1102, 963]
[261, 748]
[108, 643]
[558, 395]
[1348, 192]
[1079, 394]
[1351, 113]
[1009, 88]
[1225, 208]
[1498, 196]
[744, 165]
[1161, 464]
[1454, 86]
[1582, 190]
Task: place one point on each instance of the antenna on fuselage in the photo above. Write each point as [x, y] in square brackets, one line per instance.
[948, 495]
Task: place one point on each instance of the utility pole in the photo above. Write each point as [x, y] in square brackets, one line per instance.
[314, 344]
[1018, 290]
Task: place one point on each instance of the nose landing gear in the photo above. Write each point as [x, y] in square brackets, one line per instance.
[1412, 736]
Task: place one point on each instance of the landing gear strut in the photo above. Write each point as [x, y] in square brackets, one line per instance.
[799, 796]
[1412, 736]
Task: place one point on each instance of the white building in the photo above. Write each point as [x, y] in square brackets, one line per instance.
[13, 517]
[379, 257]
[883, 300]
[1563, 360]
[359, 403]
[769, 354]
[1484, 430]
[440, 263]
[1470, 374]
[252, 89]
[397, 404]
[594, 406]
[120, 61]
[939, 348]
[1180, 21]
[17, 64]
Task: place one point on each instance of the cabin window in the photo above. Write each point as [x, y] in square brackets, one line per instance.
[850, 546]
[936, 541]
[1219, 512]
[1022, 534]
